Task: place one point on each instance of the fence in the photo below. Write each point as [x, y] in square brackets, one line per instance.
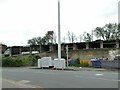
[110, 64]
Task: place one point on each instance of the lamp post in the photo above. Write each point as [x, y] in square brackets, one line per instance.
[59, 33]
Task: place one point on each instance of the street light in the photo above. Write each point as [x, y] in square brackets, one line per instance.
[59, 33]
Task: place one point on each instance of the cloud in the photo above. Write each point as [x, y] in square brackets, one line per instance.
[21, 20]
[111, 10]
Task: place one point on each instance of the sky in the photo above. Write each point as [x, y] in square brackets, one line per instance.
[21, 20]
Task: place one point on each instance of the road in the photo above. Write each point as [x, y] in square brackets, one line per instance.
[59, 78]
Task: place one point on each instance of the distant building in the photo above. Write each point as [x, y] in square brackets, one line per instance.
[35, 49]
[3, 48]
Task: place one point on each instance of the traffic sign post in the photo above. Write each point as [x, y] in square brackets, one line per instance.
[67, 54]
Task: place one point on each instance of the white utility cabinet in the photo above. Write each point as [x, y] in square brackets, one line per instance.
[46, 62]
[59, 63]
[39, 63]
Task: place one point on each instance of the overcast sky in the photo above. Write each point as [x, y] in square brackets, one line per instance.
[21, 20]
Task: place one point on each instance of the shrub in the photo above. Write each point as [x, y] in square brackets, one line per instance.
[8, 62]
[19, 61]
[25, 60]
[33, 59]
[78, 61]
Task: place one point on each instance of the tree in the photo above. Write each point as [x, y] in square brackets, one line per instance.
[36, 41]
[47, 39]
[108, 32]
[32, 41]
[50, 36]
[118, 32]
[64, 39]
[80, 38]
[87, 37]
[54, 38]
[99, 32]
[43, 41]
[71, 37]
[39, 41]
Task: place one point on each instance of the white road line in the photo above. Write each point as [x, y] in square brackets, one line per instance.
[67, 71]
[114, 73]
[98, 74]
[24, 81]
[44, 72]
[21, 85]
[103, 79]
[96, 78]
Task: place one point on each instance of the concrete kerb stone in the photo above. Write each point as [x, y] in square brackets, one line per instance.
[70, 69]
[77, 69]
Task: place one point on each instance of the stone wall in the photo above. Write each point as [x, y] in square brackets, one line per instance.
[87, 54]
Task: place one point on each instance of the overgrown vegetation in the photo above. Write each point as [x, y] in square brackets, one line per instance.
[20, 61]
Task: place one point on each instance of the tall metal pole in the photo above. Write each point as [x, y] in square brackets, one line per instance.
[67, 54]
[59, 33]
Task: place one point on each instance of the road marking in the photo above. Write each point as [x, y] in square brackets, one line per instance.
[44, 72]
[114, 73]
[24, 81]
[78, 76]
[98, 74]
[21, 85]
[69, 71]
[96, 78]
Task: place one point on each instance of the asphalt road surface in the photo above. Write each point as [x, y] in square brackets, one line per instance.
[40, 78]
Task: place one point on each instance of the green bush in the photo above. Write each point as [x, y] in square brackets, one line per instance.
[63, 55]
[24, 59]
[78, 61]
[33, 59]
[19, 61]
[8, 61]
